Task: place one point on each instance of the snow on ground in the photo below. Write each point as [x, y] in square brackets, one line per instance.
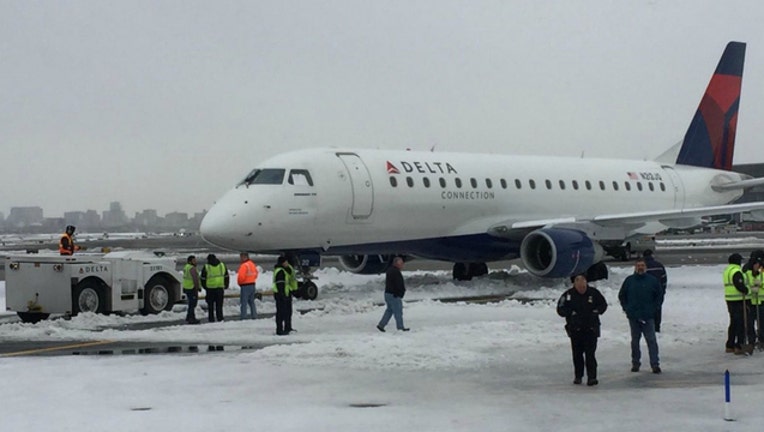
[462, 367]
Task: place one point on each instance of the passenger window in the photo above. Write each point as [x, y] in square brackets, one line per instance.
[575, 184]
[588, 185]
[628, 185]
[488, 183]
[410, 181]
[615, 185]
[273, 176]
[393, 181]
[663, 187]
[650, 185]
[532, 183]
[442, 182]
[458, 182]
[548, 184]
[602, 185]
[300, 178]
[562, 185]
[518, 184]
[639, 185]
[426, 182]
[503, 184]
[473, 182]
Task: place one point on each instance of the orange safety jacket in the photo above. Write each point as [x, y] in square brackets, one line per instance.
[66, 245]
[247, 274]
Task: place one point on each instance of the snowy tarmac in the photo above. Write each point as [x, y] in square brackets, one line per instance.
[464, 367]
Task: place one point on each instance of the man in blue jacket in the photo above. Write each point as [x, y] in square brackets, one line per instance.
[640, 297]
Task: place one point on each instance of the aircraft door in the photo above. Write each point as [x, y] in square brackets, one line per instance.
[360, 182]
[674, 182]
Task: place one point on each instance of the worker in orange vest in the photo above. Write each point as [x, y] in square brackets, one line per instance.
[66, 244]
[246, 278]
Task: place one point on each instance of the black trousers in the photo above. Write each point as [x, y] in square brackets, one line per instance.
[283, 313]
[584, 344]
[736, 330]
[215, 304]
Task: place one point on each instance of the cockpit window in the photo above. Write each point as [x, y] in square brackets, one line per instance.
[300, 178]
[264, 176]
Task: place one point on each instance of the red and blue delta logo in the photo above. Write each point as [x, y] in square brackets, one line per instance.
[391, 169]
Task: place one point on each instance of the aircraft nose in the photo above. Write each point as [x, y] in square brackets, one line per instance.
[217, 227]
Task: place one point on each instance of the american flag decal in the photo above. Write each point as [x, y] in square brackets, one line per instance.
[391, 169]
[632, 175]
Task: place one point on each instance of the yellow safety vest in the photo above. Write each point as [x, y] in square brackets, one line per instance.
[290, 280]
[188, 280]
[730, 292]
[215, 276]
[750, 282]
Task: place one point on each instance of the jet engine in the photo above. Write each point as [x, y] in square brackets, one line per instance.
[366, 264]
[559, 252]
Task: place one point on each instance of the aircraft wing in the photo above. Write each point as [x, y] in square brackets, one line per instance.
[677, 218]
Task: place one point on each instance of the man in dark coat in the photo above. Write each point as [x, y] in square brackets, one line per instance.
[640, 297]
[582, 306]
[657, 270]
[395, 289]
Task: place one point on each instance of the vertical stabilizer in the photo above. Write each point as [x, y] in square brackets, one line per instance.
[710, 139]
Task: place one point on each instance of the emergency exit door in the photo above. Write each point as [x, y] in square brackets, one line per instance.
[360, 183]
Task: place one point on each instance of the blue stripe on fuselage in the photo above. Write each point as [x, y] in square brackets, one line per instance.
[467, 248]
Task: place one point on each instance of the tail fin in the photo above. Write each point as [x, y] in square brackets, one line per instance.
[710, 139]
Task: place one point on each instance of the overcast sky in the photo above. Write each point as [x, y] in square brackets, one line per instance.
[167, 104]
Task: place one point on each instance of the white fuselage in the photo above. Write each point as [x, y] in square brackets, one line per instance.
[380, 201]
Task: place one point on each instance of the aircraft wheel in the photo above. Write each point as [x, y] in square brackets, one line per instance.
[461, 272]
[309, 291]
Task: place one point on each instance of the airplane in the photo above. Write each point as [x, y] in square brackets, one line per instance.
[560, 215]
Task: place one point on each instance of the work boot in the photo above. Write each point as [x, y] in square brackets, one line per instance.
[577, 380]
[657, 370]
[739, 351]
[729, 350]
[592, 382]
[748, 349]
[635, 368]
[380, 328]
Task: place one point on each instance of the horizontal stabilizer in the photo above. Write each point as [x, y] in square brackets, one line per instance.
[737, 185]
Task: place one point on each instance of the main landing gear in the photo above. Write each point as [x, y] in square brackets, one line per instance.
[466, 271]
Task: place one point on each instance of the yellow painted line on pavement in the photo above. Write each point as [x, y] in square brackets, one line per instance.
[56, 348]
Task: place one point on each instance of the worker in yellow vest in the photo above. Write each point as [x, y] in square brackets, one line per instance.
[735, 291]
[284, 284]
[214, 280]
[754, 281]
[191, 288]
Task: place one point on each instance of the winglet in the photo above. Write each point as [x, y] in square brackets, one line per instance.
[710, 139]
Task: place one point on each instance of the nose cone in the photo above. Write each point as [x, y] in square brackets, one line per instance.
[218, 228]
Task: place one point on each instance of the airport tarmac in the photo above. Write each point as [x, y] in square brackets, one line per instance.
[699, 254]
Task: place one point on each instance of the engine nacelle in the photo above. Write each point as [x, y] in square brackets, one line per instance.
[366, 264]
[558, 252]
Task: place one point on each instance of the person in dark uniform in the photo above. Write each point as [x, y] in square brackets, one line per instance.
[214, 280]
[284, 283]
[581, 306]
[395, 289]
[658, 271]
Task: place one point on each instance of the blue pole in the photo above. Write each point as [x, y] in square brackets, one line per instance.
[727, 415]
